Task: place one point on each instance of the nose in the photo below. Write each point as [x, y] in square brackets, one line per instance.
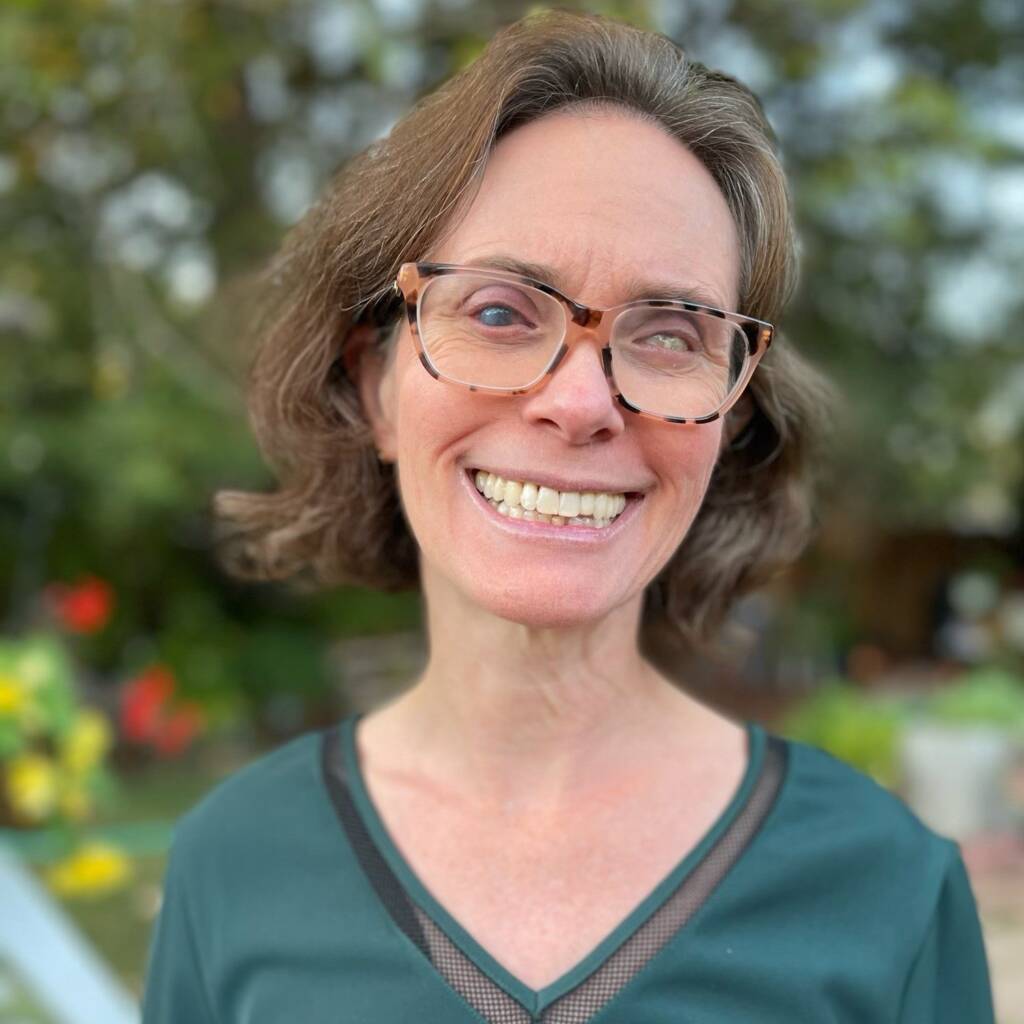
[577, 400]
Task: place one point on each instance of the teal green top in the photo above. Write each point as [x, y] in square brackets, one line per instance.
[815, 896]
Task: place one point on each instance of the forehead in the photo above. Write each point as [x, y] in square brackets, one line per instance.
[606, 199]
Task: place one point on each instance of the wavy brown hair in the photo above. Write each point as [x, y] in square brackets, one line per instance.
[335, 516]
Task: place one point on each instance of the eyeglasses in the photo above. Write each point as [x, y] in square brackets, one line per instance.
[500, 332]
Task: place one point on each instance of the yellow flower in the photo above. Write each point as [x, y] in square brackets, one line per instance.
[27, 682]
[12, 695]
[87, 741]
[32, 785]
[92, 869]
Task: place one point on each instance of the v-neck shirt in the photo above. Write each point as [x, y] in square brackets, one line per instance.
[814, 895]
[536, 1001]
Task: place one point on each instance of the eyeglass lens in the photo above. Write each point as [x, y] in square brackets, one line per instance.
[482, 331]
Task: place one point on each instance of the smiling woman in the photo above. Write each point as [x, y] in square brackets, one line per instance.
[337, 516]
[541, 381]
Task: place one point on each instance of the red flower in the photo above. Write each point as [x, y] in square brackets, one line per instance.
[148, 715]
[83, 607]
[143, 702]
[178, 730]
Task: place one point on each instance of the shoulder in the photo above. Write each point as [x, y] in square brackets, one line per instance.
[275, 796]
[850, 833]
[829, 794]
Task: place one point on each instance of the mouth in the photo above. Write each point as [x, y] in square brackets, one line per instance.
[531, 501]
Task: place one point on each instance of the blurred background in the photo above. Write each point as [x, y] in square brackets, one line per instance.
[152, 154]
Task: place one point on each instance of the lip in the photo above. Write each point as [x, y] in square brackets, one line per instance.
[545, 531]
[558, 483]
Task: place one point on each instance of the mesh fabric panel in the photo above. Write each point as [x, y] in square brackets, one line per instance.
[491, 1002]
[584, 1001]
[494, 1004]
[391, 894]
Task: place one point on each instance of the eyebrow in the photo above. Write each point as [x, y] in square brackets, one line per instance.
[636, 288]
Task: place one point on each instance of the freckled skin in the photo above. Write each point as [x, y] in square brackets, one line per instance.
[603, 197]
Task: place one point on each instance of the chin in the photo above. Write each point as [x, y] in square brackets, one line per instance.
[546, 605]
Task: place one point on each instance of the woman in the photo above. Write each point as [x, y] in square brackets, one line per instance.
[505, 368]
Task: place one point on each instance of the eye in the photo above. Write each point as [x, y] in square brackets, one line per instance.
[496, 315]
[669, 342]
[659, 331]
[499, 307]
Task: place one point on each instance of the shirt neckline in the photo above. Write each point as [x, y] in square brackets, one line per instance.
[536, 1000]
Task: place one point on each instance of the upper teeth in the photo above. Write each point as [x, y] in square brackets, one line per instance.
[528, 496]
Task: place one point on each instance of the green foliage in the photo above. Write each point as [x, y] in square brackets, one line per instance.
[852, 725]
[53, 761]
[987, 695]
[153, 153]
[863, 727]
[40, 700]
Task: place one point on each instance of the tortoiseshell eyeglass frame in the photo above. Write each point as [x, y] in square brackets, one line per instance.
[412, 278]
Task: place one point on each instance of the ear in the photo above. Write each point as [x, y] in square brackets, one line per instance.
[736, 419]
[374, 376]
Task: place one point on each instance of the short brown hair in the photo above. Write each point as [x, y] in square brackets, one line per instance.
[335, 516]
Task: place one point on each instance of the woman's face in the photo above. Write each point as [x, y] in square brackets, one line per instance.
[605, 200]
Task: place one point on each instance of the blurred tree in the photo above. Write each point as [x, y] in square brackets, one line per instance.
[151, 153]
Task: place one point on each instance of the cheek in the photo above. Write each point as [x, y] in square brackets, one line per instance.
[708, 452]
[686, 457]
[431, 418]
[685, 466]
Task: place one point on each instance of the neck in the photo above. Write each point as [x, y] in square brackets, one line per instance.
[519, 714]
